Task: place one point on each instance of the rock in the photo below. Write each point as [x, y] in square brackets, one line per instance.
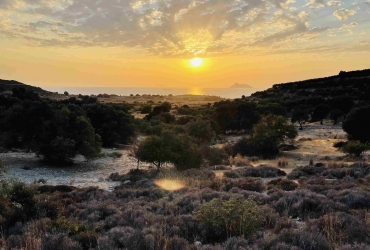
[101, 179]
[127, 182]
[197, 243]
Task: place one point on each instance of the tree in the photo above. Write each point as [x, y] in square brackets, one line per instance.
[357, 124]
[201, 130]
[343, 103]
[113, 123]
[320, 112]
[335, 115]
[235, 217]
[65, 136]
[246, 116]
[167, 147]
[300, 115]
[166, 107]
[66, 93]
[266, 137]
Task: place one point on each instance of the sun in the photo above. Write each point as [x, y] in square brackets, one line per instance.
[196, 62]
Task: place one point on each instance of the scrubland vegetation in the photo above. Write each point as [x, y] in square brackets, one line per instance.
[202, 192]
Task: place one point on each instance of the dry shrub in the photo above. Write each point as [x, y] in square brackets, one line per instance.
[336, 164]
[341, 228]
[252, 184]
[231, 161]
[282, 162]
[284, 184]
[241, 161]
[231, 174]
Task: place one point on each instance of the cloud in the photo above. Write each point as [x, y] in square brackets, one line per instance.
[167, 27]
[315, 4]
[344, 14]
[334, 3]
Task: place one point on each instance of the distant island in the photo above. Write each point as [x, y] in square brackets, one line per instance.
[240, 86]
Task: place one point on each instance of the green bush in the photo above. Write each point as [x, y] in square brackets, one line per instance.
[266, 137]
[355, 148]
[235, 216]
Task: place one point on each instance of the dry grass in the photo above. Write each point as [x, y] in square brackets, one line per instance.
[282, 162]
[337, 164]
[241, 161]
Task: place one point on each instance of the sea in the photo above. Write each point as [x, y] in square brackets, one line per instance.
[230, 93]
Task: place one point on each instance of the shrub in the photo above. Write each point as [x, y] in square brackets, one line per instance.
[262, 171]
[214, 156]
[339, 144]
[240, 161]
[252, 184]
[146, 109]
[284, 184]
[305, 171]
[237, 217]
[355, 148]
[289, 239]
[59, 242]
[342, 228]
[266, 137]
[231, 174]
[357, 124]
[335, 164]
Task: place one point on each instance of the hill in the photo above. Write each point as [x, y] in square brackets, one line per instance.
[353, 83]
[240, 86]
[6, 85]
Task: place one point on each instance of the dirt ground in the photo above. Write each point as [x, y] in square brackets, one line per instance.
[26, 167]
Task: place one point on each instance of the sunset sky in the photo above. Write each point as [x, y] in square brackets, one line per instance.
[149, 43]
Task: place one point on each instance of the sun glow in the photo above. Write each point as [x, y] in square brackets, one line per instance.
[196, 62]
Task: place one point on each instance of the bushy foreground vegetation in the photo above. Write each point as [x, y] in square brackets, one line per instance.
[208, 213]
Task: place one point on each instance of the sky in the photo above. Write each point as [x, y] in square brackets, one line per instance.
[149, 43]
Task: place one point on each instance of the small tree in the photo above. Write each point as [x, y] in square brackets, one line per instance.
[170, 148]
[320, 112]
[201, 130]
[300, 115]
[335, 115]
[66, 93]
[266, 137]
[236, 217]
[343, 103]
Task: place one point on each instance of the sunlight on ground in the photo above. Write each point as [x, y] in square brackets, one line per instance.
[170, 185]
